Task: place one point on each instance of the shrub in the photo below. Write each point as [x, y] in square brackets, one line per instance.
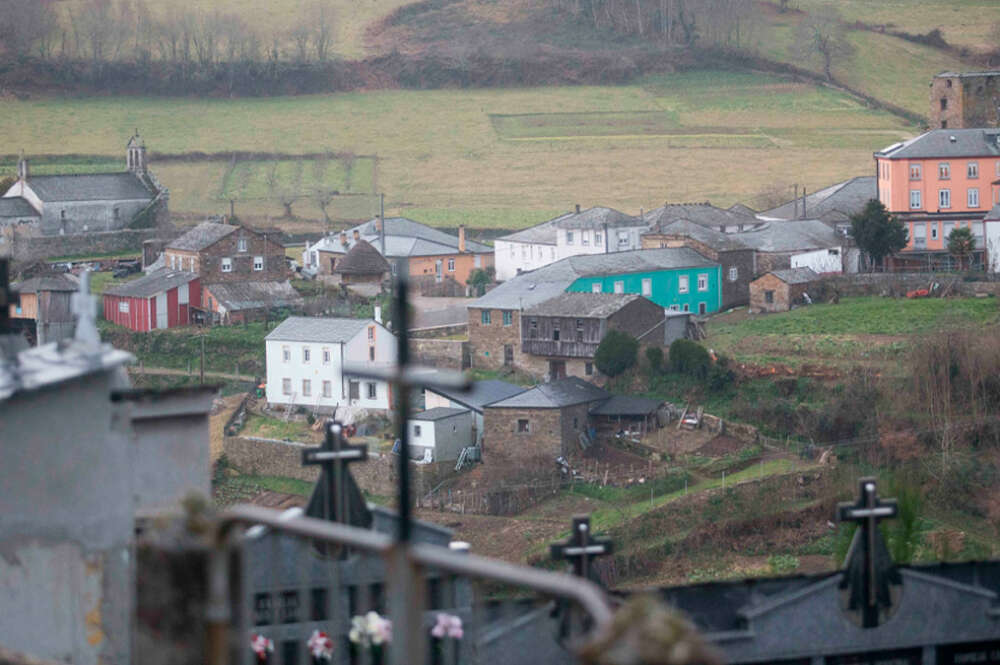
[654, 356]
[720, 376]
[616, 353]
[782, 564]
[687, 357]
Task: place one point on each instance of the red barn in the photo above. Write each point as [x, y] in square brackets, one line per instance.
[161, 299]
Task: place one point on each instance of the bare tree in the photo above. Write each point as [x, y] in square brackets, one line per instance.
[322, 24]
[822, 35]
[25, 24]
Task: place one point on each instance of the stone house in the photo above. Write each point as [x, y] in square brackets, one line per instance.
[88, 202]
[738, 261]
[440, 434]
[962, 100]
[546, 421]
[559, 337]
[804, 243]
[833, 205]
[43, 310]
[479, 395]
[779, 290]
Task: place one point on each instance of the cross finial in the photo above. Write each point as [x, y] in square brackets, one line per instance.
[337, 497]
[869, 569]
[581, 547]
[84, 307]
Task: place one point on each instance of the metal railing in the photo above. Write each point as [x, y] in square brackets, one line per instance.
[500, 598]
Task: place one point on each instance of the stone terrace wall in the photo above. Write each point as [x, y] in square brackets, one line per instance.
[898, 284]
[27, 249]
[446, 353]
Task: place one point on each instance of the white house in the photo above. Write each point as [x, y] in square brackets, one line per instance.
[306, 357]
[440, 434]
[592, 231]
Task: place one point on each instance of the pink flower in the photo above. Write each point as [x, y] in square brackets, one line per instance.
[320, 645]
[447, 625]
[261, 646]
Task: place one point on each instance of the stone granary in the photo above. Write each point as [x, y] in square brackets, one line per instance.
[780, 290]
[362, 265]
[87, 202]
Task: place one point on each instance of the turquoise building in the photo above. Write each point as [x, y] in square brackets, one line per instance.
[693, 289]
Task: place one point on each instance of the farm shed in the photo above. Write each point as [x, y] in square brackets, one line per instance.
[637, 415]
[779, 290]
[161, 299]
[43, 307]
[238, 302]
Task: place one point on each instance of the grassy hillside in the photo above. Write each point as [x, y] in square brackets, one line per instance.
[490, 158]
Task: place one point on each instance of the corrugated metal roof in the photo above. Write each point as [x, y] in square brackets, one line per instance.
[15, 206]
[155, 282]
[946, 143]
[317, 329]
[253, 295]
[554, 395]
[123, 186]
[796, 275]
[584, 305]
[201, 236]
[438, 413]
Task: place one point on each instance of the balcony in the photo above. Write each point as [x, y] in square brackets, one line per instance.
[560, 348]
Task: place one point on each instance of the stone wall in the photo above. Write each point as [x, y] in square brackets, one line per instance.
[257, 244]
[28, 249]
[897, 284]
[487, 340]
[446, 353]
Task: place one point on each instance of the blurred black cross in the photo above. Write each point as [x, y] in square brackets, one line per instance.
[335, 486]
[581, 547]
[7, 297]
[870, 568]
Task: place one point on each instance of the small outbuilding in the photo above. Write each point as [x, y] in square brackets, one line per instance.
[626, 413]
[43, 309]
[239, 302]
[440, 434]
[780, 290]
[161, 299]
[362, 265]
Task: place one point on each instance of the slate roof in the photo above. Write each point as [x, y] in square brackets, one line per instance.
[404, 238]
[254, 295]
[704, 234]
[438, 413]
[15, 206]
[626, 405]
[791, 236]
[362, 259]
[481, 393]
[993, 214]
[940, 143]
[55, 282]
[966, 74]
[834, 203]
[597, 218]
[317, 329]
[741, 209]
[89, 187]
[796, 275]
[554, 395]
[539, 234]
[584, 305]
[201, 236]
[705, 214]
[536, 286]
[155, 282]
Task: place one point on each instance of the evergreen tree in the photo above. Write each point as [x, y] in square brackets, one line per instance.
[878, 233]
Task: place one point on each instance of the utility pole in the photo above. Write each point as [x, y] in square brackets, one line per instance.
[202, 371]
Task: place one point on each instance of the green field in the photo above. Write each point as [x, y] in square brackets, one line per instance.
[442, 160]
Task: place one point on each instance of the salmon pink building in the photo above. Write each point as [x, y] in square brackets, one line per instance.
[161, 299]
[941, 180]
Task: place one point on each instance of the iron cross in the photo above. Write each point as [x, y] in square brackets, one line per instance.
[332, 456]
[7, 297]
[867, 511]
[581, 547]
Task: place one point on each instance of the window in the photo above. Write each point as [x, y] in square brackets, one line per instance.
[371, 333]
[687, 308]
[262, 609]
[948, 228]
[523, 427]
[451, 265]
[258, 263]
[484, 317]
[286, 386]
[305, 354]
[702, 308]
[123, 306]
[944, 103]
[326, 356]
[944, 124]
[555, 331]
[914, 171]
[595, 288]
[915, 198]
[416, 430]
[353, 390]
[588, 369]
[703, 282]
[833, 252]
[944, 171]
[569, 237]
[683, 284]
[318, 605]
[934, 230]
[306, 388]
[327, 389]
[286, 354]
[241, 243]
[576, 422]
[598, 238]
[371, 353]
[533, 328]
[372, 390]
[117, 214]
[227, 265]
[972, 169]
[769, 297]
[508, 317]
[647, 287]
[477, 261]
[619, 287]
[944, 198]
[622, 238]
[734, 273]
[584, 238]
[675, 308]
[973, 197]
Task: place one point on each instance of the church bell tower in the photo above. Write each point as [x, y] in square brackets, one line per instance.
[135, 156]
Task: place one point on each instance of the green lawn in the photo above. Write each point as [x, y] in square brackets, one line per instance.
[276, 428]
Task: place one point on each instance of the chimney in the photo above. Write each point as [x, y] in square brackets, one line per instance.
[377, 314]
[357, 235]
[343, 238]
[803, 201]
[22, 168]
[461, 237]
[578, 208]
[795, 200]
[378, 224]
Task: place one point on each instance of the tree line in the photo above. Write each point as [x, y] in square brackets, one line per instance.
[129, 31]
